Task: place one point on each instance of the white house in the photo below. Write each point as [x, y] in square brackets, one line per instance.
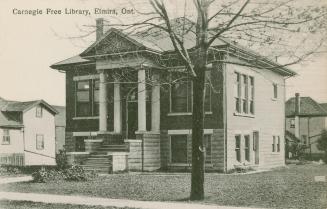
[27, 133]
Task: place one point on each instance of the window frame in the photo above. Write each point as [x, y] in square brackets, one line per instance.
[275, 91]
[247, 145]
[292, 123]
[39, 112]
[273, 150]
[189, 93]
[38, 145]
[278, 144]
[207, 160]
[244, 101]
[6, 137]
[238, 148]
[91, 103]
[171, 149]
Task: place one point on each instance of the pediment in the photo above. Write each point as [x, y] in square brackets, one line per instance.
[113, 41]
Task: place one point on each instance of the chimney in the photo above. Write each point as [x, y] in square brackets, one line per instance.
[99, 28]
[297, 104]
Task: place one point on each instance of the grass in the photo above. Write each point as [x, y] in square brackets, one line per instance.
[291, 187]
[7, 204]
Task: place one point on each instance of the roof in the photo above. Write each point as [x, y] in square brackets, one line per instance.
[324, 105]
[154, 40]
[308, 107]
[11, 111]
[9, 119]
[60, 118]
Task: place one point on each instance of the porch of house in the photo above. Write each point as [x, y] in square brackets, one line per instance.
[132, 113]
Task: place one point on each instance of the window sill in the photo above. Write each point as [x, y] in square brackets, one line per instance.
[5, 143]
[274, 99]
[185, 113]
[86, 118]
[275, 153]
[244, 115]
[188, 164]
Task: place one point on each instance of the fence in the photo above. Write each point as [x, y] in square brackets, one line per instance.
[16, 159]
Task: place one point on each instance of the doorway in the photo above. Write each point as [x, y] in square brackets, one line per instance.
[131, 113]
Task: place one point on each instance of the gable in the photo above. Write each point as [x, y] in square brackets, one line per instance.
[113, 42]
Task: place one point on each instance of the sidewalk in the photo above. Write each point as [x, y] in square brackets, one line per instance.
[15, 179]
[83, 200]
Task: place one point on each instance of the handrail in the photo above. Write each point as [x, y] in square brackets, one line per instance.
[39, 154]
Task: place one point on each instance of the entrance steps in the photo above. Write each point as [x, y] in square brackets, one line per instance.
[99, 161]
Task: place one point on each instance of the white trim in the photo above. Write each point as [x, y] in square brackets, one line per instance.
[86, 118]
[93, 140]
[117, 153]
[187, 131]
[86, 77]
[78, 153]
[133, 140]
[85, 133]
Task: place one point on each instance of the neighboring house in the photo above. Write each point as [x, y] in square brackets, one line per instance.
[27, 133]
[60, 122]
[305, 119]
[140, 125]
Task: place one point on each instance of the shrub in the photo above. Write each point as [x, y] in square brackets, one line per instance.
[74, 173]
[9, 170]
[61, 160]
[322, 144]
[47, 175]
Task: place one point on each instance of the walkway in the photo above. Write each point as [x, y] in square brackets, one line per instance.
[83, 200]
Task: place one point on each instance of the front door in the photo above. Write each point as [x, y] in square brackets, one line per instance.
[256, 146]
[131, 114]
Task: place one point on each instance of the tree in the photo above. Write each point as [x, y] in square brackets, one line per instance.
[322, 143]
[294, 30]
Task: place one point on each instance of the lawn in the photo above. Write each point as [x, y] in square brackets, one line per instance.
[291, 187]
[6, 204]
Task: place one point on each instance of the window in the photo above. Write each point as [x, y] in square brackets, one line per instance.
[305, 139]
[39, 142]
[178, 148]
[79, 144]
[251, 95]
[238, 147]
[180, 94]
[38, 112]
[83, 98]
[292, 123]
[207, 100]
[278, 144]
[207, 143]
[274, 144]
[247, 147]
[237, 92]
[87, 98]
[244, 93]
[275, 90]
[6, 136]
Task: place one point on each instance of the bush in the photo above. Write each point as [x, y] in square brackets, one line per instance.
[73, 173]
[61, 160]
[9, 170]
[47, 175]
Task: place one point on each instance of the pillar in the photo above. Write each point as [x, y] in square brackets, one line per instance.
[155, 103]
[103, 102]
[141, 101]
[117, 107]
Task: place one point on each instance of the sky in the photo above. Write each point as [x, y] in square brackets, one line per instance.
[30, 44]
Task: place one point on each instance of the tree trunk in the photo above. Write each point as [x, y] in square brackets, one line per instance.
[197, 178]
